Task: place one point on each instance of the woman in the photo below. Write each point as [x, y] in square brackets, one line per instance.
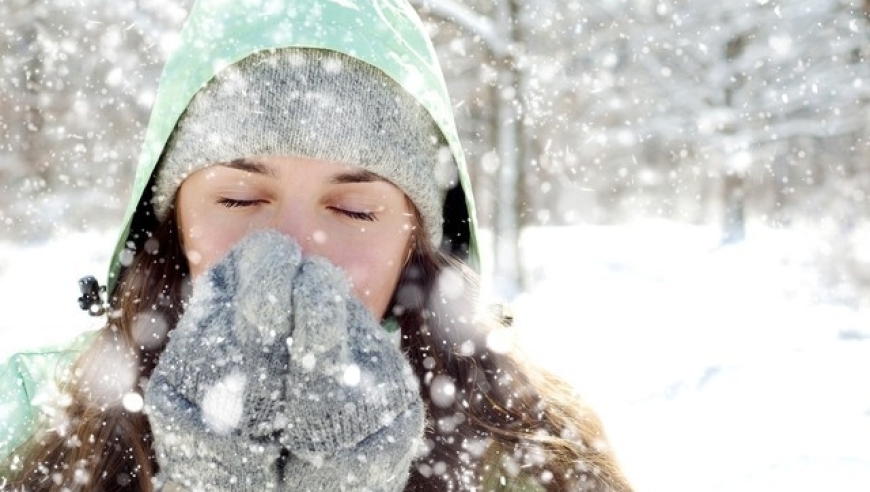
[302, 193]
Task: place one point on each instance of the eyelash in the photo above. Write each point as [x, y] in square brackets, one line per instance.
[366, 216]
[233, 203]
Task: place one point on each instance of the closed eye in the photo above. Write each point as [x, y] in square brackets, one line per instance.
[353, 214]
[234, 203]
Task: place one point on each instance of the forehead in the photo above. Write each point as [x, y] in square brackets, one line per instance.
[340, 173]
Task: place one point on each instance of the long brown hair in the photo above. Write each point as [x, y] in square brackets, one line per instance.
[98, 443]
[491, 413]
[502, 416]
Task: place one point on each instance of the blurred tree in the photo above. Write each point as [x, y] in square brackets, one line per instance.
[499, 34]
[755, 80]
[77, 86]
[569, 111]
[518, 70]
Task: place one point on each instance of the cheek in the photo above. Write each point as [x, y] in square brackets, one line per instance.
[374, 279]
[205, 244]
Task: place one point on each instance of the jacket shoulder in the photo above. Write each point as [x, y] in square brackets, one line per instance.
[29, 381]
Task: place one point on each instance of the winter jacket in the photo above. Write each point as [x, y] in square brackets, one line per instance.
[27, 383]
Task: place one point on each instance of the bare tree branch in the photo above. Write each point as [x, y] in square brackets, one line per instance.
[467, 19]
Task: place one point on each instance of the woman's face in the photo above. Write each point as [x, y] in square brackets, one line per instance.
[352, 217]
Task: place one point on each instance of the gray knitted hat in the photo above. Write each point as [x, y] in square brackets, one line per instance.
[311, 103]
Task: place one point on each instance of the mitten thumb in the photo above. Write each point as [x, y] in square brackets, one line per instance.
[320, 295]
[266, 262]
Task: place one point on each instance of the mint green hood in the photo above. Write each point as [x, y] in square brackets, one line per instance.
[384, 33]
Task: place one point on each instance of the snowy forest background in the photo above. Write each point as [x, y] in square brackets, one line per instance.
[571, 112]
[698, 171]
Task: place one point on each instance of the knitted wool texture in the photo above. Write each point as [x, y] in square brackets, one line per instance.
[274, 352]
[310, 103]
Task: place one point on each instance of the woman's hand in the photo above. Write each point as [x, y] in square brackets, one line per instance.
[277, 377]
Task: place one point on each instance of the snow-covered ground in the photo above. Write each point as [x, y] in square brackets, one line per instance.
[714, 369]
[39, 287]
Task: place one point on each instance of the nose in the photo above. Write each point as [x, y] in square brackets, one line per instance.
[299, 222]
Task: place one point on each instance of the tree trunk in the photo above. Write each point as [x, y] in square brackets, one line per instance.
[31, 151]
[734, 219]
[500, 36]
[508, 147]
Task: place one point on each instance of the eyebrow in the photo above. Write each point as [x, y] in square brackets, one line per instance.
[250, 166]
[356, 176]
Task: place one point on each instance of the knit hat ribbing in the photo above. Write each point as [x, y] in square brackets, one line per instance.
[317, 104]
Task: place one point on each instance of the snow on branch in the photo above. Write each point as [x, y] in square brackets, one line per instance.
[469, 20]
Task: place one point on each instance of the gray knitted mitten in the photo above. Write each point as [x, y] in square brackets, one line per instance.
[278, 378]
